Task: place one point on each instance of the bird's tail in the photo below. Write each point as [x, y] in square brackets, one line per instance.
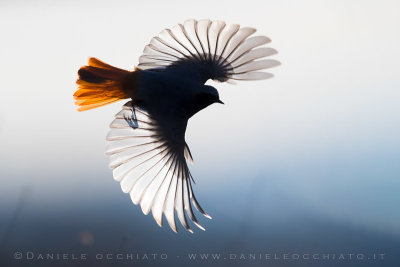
[100, 84]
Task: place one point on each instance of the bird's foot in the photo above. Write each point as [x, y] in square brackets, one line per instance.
[132, 120]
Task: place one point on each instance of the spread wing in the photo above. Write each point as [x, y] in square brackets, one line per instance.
[207, 49]
[148, 160]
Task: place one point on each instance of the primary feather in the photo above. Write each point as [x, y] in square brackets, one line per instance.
[151, 170]
[214, 49]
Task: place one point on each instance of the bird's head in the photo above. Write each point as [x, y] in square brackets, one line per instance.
[208, 95]
[205, 96]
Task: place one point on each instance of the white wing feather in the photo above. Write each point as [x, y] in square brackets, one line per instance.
[227, 43]
[148, 170]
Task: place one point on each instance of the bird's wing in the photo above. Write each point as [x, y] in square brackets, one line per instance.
[207, 49]
[149, 163]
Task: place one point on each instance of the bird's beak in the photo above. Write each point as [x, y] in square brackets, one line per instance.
[219, 101]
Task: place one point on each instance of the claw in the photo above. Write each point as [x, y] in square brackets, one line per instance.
[132, 121]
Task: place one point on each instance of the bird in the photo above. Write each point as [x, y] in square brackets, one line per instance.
[146, 143]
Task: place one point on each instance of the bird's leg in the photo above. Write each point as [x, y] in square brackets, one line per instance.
[132, 120]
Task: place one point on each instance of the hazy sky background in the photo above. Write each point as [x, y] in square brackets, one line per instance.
[323, 133]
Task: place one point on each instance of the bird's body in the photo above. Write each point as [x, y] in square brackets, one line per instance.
[146, 142]
[168, 92]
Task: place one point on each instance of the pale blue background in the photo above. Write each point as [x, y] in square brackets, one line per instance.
[307, 161]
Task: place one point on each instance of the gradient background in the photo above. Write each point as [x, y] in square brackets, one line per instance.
[308, 161]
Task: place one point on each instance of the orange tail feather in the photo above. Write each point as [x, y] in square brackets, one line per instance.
[100, 84]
